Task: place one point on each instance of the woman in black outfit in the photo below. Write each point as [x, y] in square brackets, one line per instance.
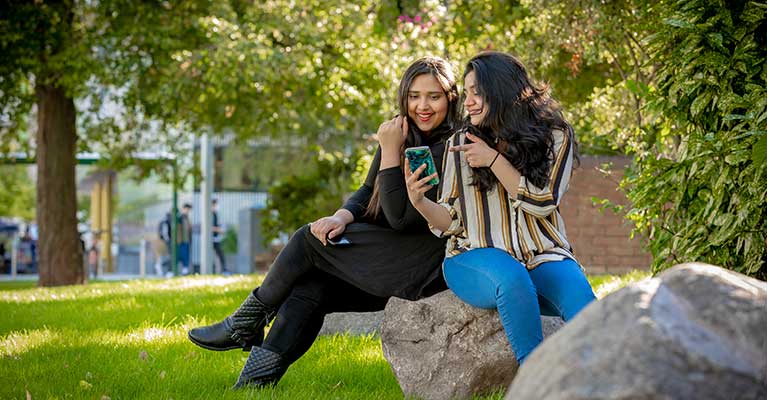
[391, 251]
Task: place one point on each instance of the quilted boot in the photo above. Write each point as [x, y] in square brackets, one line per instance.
[263, 368]
[241, 330]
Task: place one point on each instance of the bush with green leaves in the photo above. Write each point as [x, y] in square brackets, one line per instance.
[317, 192]
[700, 191]
[229, 242]
[17, 193]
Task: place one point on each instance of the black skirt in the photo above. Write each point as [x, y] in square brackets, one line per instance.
[384, 262]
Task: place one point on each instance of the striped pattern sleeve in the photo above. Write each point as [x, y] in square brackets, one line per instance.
[542, 201]
[449, 194]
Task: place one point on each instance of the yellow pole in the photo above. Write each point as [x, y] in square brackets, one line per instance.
[106, 222]
[96, 222]
[95, 207]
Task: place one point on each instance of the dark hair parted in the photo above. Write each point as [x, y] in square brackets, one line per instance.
[440, 70]
[520, 118]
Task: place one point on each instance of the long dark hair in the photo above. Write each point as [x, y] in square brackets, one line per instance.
[441, 70]
[519, 121]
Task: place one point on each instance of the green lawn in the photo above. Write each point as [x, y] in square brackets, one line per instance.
[127, 340]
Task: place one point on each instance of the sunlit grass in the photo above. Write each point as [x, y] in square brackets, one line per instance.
[127, 340]
[606, 284]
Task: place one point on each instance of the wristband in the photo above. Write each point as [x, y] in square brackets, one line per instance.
[498, 153]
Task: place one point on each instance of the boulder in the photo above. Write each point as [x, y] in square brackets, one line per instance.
[695, 332]
[442, 348]
[353, 323]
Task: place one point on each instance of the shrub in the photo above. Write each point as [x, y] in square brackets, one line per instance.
[229, 242]
[700, 191]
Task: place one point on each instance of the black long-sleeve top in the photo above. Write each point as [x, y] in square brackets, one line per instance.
[398, 213]
[393, 254]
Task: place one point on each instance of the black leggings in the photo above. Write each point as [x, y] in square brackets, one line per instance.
[293, 262]
[304, 294]
[300, 317]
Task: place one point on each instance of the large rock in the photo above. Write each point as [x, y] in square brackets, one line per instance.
[441, 348]
[352, 323]
[695, 332]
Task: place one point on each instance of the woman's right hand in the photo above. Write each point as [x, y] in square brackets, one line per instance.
[327, 227]
[417, 188]
[392, 133]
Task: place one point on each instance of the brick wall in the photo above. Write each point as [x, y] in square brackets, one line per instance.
[600, 240]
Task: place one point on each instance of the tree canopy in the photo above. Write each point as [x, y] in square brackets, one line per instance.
[677, 85]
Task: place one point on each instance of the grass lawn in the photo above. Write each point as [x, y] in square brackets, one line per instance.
[127, 340]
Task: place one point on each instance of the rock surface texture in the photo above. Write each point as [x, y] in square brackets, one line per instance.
[352, 323]
[695, 332]
[441, 348]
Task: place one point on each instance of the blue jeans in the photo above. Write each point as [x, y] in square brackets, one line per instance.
[492, 278]
[183, 254]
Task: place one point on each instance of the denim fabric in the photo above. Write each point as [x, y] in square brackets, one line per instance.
[492, 278]
[183, 253]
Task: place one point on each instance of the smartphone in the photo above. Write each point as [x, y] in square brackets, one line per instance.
[339, 241]
[418, 156]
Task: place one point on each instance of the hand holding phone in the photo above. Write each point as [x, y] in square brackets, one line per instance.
[339, 241]
[418, 156]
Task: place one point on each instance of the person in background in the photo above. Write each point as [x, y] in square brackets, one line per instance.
[163, 230]
[161, 246]
[3, 263]
[27, 253]
[218, 237]
[93, 256]
[184, 239]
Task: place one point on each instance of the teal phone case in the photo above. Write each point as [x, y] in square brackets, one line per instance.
[418, 156]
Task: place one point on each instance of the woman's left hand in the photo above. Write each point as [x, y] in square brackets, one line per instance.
[478, 154]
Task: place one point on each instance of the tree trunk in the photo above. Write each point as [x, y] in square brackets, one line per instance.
[59, 251]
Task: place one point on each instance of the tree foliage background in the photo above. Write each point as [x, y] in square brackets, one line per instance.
[677, 85]
[17, 196]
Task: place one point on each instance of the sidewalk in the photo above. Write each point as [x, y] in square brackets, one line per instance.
[105, 277]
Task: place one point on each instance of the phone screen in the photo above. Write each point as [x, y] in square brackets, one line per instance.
[418, 156]
[339, 241]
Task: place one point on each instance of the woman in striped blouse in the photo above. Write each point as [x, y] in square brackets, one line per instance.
[503, 179]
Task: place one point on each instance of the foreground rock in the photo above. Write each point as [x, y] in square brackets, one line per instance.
[695, 332]
[441, 348]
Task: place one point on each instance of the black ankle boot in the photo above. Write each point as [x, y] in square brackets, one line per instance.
[241, 330]
[263, 368]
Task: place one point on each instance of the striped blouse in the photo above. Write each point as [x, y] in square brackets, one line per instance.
[528, 226]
